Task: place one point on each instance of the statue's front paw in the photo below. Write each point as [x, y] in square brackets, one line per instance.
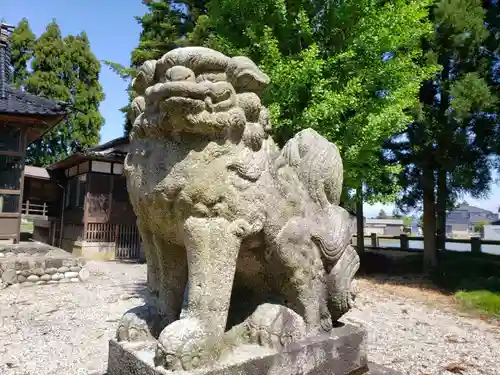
[184, 345]
[275, 326]
[138, 324]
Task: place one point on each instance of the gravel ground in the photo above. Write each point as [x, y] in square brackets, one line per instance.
[64, 329]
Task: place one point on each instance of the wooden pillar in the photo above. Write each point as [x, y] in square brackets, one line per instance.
[374, 239]
[360, 231]
[404, 242]
[475, 245]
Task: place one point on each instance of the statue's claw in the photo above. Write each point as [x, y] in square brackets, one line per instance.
[138, 324]
[184, 345]
[274, 326]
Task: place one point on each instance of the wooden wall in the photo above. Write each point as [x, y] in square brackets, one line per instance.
[107, 200]
[39, 191]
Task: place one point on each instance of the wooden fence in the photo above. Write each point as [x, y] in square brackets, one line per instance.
[32, 209]
[125, 237]
[404, 242]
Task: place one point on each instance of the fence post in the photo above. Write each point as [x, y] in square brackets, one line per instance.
[27, 208]
[44, 208]
[404, 242]
[374, 239]
[475, 245]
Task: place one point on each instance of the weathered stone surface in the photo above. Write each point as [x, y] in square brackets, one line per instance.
[75, 268]
[53, 282]
[46, 277]
[9, 277]
[63, 269]
[36, 264]
[75, 280]
[33, 278]
[37, 271]
[21, 278]
[25, 273]
[57, 276]
[70, 275]
[63, 281]
[262, 221]
[41, 282]
[53, 263]
[50, 270]
[341, 353]
[84, 274]
[69, 262]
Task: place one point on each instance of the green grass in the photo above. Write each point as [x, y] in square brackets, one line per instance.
[27, 227]
[482, 301]
[474, 279]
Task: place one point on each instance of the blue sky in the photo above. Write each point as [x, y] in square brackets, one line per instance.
[113, 33]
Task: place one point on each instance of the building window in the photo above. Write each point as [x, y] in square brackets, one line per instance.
[101, 167]
[83, 167]
[75, 194]
[80, 196]
[10, 138]
[118, 169]
[73, 171]
[9, 203]
[11, 168]
[120, 193]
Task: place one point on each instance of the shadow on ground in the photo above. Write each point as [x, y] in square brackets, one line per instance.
[474, 279]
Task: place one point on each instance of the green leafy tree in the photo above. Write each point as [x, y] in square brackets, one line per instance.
[382, 215]
[447, 150]
[397, 214]
[22, 41]
[479, 226]
[407, 220]
[350, 70]
[63, 69]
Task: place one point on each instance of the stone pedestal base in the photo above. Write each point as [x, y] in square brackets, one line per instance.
[342, 353]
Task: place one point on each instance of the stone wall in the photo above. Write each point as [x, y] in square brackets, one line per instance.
[38, 264]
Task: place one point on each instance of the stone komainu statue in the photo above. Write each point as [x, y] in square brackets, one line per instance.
[257, 233]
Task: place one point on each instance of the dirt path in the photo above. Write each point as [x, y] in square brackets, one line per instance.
[64, 329]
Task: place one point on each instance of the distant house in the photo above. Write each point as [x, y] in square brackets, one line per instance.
[492, 231]
[463, 219]
[388, 227]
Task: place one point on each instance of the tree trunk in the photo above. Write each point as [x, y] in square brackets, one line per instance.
[443, 149]
[442, 198]
[430, 253]
[360, 232]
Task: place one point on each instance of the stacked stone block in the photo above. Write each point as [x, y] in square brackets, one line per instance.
[38, 269]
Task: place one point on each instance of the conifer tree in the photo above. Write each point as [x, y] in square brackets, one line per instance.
[166, 25]
[47, 79]
[22, 40]
[448, 148]
[61, 69]
[83, 81]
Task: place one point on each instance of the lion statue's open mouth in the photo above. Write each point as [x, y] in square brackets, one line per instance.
[257, 232]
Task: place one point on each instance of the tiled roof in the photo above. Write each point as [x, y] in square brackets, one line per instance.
[15, 101]
[117, 145]
[114, 150]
